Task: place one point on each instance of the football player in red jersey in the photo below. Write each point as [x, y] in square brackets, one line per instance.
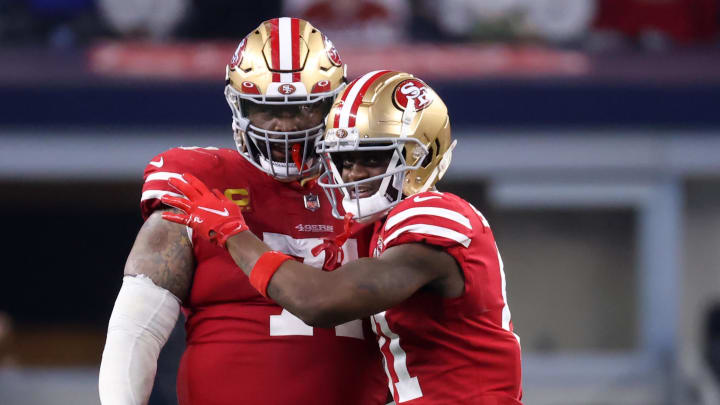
[241, 347]
[434, 287]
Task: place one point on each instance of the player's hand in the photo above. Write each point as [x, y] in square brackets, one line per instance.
[210, 214]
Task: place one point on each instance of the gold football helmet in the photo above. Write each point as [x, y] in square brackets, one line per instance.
[391, 111]
[285, 61]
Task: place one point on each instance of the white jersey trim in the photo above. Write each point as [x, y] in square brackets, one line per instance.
[150, 194]
[506, 307]
[164, 176]
[433, 211]
[479, 214]
[431, 230]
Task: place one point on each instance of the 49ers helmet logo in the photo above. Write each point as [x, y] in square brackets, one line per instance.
[331, 52]
[412, 89]
[287, 89]
[238, 55]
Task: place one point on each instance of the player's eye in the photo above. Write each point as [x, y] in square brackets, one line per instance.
[317, 107]
[375, 163]
[378, 159]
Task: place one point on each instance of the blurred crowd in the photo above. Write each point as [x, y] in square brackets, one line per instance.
[589, 24]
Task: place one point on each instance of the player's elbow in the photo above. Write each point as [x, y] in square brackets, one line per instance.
[318, 313]
[320, 320]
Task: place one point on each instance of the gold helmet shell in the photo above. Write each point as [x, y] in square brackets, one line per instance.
[283, 61]
[386, 110]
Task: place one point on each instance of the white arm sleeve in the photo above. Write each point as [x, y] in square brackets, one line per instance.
[140, 324]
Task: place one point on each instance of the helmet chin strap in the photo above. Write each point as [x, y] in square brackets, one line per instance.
[280, 169]
[373, 205]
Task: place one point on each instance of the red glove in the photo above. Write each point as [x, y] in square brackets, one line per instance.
[210, 214]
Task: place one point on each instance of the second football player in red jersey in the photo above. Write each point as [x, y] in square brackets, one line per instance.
[435, 287]
[241, 347]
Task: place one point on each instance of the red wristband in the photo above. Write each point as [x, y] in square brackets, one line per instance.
[265, 267]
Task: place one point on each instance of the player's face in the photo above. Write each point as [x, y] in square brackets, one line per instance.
[286, 118]
[362, 165]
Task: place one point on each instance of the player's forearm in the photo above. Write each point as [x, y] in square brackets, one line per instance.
[312, 295]
[326, 299]
[323, 299]
[245, 248]
[357, 289]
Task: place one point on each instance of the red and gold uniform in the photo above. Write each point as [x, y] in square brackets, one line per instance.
[241, 347]
[449, 351]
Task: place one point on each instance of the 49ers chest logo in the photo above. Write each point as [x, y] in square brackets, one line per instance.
[287, 89]
[412, 89]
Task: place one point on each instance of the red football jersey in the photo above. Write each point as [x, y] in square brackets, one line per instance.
[449, 351]
[241, 347]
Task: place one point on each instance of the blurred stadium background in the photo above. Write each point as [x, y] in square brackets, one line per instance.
[589, 133]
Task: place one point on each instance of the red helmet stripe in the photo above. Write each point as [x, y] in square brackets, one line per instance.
[295, 32]
[336, 120]
[361, 94]
[355, 96]
[275, 47]
[295, 28]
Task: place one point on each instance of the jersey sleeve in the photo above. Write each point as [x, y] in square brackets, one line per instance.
[163, 167]
[430, 218]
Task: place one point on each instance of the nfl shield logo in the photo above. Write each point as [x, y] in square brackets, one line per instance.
[378, 247]
[312, 202]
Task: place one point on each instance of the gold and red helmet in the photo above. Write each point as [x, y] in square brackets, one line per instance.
[386, 111]
[285, 61]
